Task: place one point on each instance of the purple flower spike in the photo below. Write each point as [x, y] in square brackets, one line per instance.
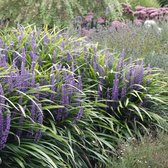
[1, 43]
[19, 39]
[95, 59]
[1, 129]
[10, 81]
[54, 56]
[33, 43]
[123, 91]
[33, 81]
[65, 98]
[62, 45]
[4, 121]
[23, 61]
[79, 114]
[115, 91]
[46, 39]
[39, 119]
[80, 85]
[73, 66]
[69, 57]
[3, 62]
[2, 100]
[33, 58]
[133, 73]
[6, 128]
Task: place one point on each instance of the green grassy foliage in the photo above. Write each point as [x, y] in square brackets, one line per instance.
[90, 139]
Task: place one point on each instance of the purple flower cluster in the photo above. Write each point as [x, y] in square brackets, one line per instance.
[129, 77]
[70, 95]
[5, 120]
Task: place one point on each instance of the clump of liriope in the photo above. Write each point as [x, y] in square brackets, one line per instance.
[54, 85]
[125, 87]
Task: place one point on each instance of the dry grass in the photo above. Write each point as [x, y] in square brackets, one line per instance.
[150, 153]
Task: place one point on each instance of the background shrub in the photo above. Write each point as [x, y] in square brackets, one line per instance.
[146, 3]
[163, 2]
[55, 12]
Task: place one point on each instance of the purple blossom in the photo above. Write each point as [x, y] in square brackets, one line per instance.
[95, 59]
[6, 128]
[33, 42]
[23, 61]
[2, 100]
[62, 45]
[4, 121]
[80, 85]
[65, 98]
[1, 43]
[33, 58]
[10, 81]
[123, 90]
[72, 66]
[3, 62]
[69, 57]
[115, 91]
[54, 56]
[19, 38]
[45, 39]
[39, 120]
[33, 81]
[24, 80]
[79, 114]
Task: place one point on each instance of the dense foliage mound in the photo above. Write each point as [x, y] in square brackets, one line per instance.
[64, 103]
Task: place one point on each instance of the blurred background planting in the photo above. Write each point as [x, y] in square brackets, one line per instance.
[54, 11]
[60, 12]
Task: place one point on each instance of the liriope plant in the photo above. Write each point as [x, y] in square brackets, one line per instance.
[61, 95]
